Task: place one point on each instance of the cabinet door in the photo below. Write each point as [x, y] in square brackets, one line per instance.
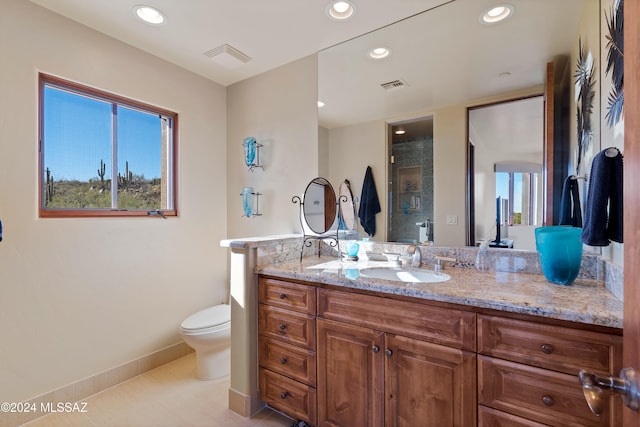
[428, 384]
[350, 375]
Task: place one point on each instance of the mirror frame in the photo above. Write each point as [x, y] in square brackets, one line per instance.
[329, 207]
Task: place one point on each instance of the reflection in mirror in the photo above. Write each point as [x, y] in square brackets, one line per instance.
[410, 217]
[507, 140]
[319, 205]
[347, 211]
[443, 61]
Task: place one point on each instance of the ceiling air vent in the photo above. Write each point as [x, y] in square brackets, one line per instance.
[393, 84]
[227, 56]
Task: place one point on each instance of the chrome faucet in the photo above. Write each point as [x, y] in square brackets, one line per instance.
[416, 254]
[439, 266]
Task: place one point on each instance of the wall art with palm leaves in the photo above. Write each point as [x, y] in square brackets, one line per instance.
[615, 61]
[585, 94]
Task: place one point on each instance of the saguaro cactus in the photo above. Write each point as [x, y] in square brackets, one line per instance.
[102, 171]
[126, 179]
[49, 189]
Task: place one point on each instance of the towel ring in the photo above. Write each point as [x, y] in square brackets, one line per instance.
[611, 152]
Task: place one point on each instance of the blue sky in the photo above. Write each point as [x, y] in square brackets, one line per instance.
[77, 135]
[502, 189]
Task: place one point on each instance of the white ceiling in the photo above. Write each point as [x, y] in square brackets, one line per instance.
[444, 55]
[514, 129]
[272, 33]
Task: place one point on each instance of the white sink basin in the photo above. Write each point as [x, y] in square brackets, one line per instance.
[402, 275]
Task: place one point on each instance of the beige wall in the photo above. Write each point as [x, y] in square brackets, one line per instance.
[279, 108]
[83, 295]
[351, 150]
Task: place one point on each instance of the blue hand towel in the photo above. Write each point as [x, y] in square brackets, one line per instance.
[570, 212]
[369, 204]
[603, 211]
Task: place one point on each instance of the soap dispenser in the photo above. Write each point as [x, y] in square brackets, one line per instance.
[482, 258]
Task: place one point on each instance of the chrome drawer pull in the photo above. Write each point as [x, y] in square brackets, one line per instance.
[546, 348]
[388, 352]
[283, 361]
[548, 400]
[282, 326]
[282, 296]
[375, 349]
[284, 395]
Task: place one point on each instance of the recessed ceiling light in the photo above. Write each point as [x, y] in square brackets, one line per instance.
[379, 53]
[341, 10]
[497, 14]
[320, 104]
[149, 14]
[400, 132]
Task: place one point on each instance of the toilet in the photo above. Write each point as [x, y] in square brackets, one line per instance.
[208, 332]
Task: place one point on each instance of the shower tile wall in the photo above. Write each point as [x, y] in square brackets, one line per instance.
[416, 152]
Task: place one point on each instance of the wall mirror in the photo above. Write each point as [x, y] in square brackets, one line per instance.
[440, 59]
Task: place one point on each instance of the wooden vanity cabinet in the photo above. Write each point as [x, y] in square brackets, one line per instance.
[339, 358]
[286, 347]
[384, 362]
[528, 371]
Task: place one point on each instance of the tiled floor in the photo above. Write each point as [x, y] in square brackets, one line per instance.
[171, 396]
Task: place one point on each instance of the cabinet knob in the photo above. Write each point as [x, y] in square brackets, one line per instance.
[283, 361]
[282, 296]
[284, 395]
[283, 326]
[376, 349]
[548, 400]
[388, 352]
[546, 348]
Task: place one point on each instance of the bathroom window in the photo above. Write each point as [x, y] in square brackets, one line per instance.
[522, 190]
[102, 154]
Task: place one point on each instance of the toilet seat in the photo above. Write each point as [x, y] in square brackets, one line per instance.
[211, 319]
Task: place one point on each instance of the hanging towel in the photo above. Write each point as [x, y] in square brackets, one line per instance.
[603, 210]
[369, 204]
[570, 213]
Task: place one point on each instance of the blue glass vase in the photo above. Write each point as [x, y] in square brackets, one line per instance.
[247, 201]
[249, 150]
[560, 252]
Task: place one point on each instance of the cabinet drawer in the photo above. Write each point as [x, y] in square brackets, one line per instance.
[547, 397]
[552, 347]
[288, 295]
[294, 362]
[290, 326]
[447, 326]
[488, 417]
[291, 397]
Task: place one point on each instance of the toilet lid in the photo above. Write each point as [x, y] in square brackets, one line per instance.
[212, 316]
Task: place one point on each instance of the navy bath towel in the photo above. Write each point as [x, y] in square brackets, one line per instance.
[369, 204]
[570, 213]
[603, 211]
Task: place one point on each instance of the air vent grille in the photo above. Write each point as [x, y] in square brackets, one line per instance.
[227, 56]
[393, 84]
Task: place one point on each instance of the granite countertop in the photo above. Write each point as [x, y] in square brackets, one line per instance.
[585, 301]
